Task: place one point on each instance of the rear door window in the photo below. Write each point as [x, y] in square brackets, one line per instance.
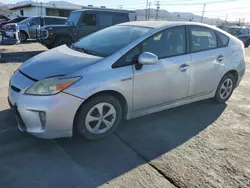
[202, 39]
[105, 19]
[88, 19]
[120, 18]
[35, 21]
[54, 21]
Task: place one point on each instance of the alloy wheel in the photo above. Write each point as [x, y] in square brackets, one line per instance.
[22, 36]
[100, 118]
[226, 88]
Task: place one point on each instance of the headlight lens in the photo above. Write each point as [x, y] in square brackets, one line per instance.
[51, 86]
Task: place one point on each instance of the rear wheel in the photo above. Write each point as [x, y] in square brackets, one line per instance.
[62, 40]
[98, 117]
[225, 89]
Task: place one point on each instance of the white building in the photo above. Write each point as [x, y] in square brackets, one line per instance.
[47, 9]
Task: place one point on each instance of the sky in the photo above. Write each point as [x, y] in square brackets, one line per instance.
[230, 10]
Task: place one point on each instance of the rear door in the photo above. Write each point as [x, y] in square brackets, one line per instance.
[87, 24]
[208, 59]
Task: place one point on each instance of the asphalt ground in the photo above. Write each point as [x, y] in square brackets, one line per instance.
[197, 145]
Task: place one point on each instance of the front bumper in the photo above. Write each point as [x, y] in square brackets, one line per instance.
[47, 41]
[59, 111]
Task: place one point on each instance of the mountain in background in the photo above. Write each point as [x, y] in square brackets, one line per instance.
[61, 3]
[175, 16]
[141, 13]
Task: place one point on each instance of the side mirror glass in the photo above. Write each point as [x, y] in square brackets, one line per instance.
[147, 58]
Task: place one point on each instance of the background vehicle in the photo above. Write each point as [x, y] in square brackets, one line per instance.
[28, 27]
[15, 20]
[127, 70]
[3, 18]
[81, 23]
[243, 33]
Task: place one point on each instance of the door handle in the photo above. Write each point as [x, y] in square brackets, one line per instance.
[183, 67]
[220, 58]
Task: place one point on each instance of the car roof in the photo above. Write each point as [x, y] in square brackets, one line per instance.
[48, 17]
[161, 24]
[105, 10]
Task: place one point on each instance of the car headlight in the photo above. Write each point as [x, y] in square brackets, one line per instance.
[51, 86]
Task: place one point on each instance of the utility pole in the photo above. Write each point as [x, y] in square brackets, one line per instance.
[157, 9]
[120, 6]
[149, 4]
[226, 18]
[203, 12]
[146, 15]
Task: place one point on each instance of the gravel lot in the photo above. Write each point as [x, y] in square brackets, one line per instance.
[197, 145]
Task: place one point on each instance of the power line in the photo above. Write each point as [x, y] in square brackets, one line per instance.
[181, 4]
[149, 5]
[203, 12]
[157, 9]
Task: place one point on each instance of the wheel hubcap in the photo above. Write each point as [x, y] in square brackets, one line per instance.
[226, 88]
[100, 118]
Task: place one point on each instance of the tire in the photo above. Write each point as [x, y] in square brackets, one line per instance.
[62, 40]
[223, 93]
[88, 117]
[49, 46]
[23, 36]
[247, 43]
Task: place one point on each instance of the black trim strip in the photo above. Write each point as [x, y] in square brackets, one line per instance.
[73, 95]
[27, 76]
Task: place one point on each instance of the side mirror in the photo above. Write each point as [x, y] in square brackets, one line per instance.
[147, 58]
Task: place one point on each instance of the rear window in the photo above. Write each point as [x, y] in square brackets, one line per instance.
[224, 40]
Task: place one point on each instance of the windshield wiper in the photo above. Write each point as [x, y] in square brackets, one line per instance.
[87, 51]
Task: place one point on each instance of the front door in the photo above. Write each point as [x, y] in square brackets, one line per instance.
[33, 25]
[207, 61]
[87, 25]
[167, 81]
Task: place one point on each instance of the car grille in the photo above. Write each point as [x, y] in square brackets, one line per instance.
[18, 117]
[41, 34]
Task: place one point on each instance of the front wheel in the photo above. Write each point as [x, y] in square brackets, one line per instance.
[225, 89]
[23, 36]
[247, 43]
[98, 117]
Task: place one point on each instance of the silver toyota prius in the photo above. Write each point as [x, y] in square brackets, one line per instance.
[124, 71]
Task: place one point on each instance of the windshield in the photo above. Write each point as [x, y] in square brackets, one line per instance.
[108, 41]
[26, 20]
[234, 31]
[73, 18]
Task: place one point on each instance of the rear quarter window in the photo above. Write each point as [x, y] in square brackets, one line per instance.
[54, 21]
[224, 40]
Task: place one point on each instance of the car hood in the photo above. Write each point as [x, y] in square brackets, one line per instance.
[57, 61]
